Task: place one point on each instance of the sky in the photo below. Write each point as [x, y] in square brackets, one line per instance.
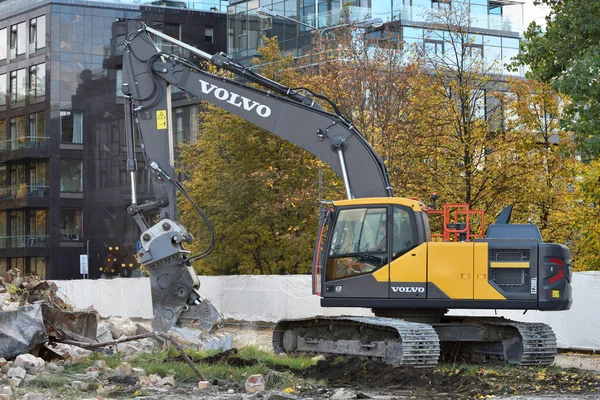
[534, 13]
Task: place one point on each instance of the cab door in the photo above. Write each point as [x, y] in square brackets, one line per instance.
[408, 267]
[356, 253]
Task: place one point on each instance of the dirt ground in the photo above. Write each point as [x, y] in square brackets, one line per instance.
[574, 376]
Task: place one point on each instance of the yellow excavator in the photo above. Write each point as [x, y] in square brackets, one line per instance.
[373, 250]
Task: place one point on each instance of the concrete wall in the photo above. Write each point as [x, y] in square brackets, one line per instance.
[273, 297]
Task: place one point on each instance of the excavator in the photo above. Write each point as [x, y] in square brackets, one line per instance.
[373, 250]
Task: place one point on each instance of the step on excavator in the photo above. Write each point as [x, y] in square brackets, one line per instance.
[373, 250]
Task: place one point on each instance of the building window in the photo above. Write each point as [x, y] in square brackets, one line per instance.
[18, 39]
[37, 127]
[18, 83]
[4, 143]
[71, 176]
[18, 263]
[38, 223]
[209, 34]
[37, 179]
[37, 33]
[17, 228]
[37, 266]
[3, 39]
[172, 30]
[70, 224]
[71, 127]
[3, 235]
[17, 132]
[2, 89]
[37, 80]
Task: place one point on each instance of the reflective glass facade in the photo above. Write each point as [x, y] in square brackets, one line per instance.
[497, 24]
[63, 182]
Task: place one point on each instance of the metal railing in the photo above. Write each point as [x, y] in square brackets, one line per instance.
[10, 6]
[348, 15]
[24, 142]
[22, 191]
[7, 242]
[491, 22]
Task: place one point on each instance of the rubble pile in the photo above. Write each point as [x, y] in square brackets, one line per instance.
[41, 334]
[17, 290]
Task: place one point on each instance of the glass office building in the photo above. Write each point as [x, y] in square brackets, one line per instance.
[63, 182]
[497, 25]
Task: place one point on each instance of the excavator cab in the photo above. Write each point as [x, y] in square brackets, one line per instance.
[359, 239]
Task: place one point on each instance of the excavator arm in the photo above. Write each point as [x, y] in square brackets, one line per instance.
[294, 115]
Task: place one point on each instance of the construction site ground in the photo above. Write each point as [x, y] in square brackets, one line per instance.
[575, 376]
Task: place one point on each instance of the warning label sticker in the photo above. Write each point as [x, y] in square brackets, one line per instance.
[161, 119]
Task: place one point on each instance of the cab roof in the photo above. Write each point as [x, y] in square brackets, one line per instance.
[414, 204]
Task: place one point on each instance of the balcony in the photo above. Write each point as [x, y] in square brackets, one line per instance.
[25, 241]
[24, 142]
[418, 14]
[22, 192]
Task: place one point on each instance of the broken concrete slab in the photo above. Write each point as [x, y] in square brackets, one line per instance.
[21, 330]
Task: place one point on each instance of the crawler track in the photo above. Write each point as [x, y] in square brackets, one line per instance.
[399, 342]
[393, 341]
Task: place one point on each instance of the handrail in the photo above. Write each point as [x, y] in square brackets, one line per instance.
[24, 241]
[21, 191]
[23, 142]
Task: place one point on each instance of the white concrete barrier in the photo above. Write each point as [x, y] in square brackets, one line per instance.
[273, 297]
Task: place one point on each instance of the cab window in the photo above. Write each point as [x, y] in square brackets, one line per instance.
[358, 242]
[404, 231]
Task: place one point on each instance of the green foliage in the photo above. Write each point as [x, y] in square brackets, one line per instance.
[567, 54]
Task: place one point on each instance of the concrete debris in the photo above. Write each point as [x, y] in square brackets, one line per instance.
[121, 326]
[166, 381]
[343, 394]
[30, 363]
[202, 385]
[157, 381]
[255, 383]
[125, 369]
[92, 373]
[7, 390]
[101, 365]
[103, 333]
[139, 372]
[193, 339]
[16, 372]
[72, 353]
[15, 382]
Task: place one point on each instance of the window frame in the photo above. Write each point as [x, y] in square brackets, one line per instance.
[72, 113]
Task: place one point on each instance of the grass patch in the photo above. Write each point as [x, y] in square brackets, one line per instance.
[293, 362]
[163, 363]
[52, 381]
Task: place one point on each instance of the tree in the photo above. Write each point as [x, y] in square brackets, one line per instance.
[585, 220]
[547, 198]
[259, 191]
[567, 55]
[468, 156]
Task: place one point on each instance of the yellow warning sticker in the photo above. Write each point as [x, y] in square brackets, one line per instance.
[161, 119]
[556, 293]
